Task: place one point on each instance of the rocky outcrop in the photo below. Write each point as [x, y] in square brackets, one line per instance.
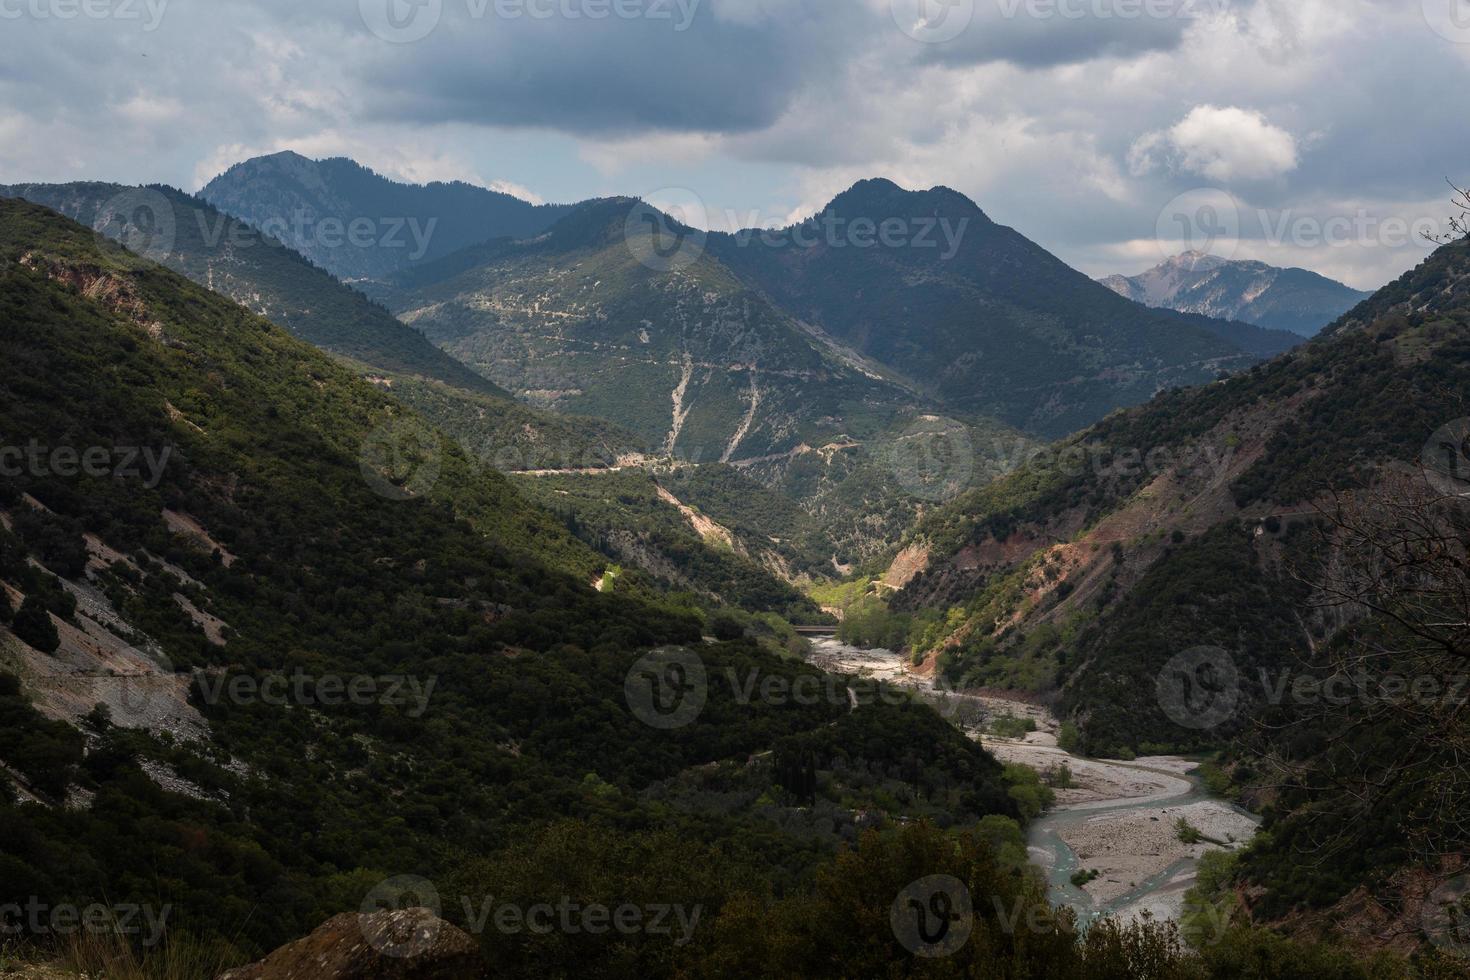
[402, 944]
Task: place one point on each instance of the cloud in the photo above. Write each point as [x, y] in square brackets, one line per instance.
[1051, 33]
[727, 67]
[1221, 144]
[1064, 118]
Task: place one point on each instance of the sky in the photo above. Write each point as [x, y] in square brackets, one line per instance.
[1313, 133]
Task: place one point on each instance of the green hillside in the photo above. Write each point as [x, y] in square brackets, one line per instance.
[195, 239]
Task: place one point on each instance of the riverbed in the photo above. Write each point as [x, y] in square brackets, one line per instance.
[1118, 819]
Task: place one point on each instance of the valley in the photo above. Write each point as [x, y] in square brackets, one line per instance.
[776, 583]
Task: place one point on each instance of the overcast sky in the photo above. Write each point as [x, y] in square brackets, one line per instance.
[1317, 133]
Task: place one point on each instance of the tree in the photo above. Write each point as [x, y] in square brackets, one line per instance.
[33, 625]
[1068, 738]
[725, 627]
[1388, 733]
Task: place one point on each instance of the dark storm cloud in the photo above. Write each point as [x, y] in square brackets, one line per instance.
[682, 65]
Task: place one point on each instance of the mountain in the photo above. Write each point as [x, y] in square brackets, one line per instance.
[1297, 300]
[620, 312]
[276, 634]
[1275, 526]
[357, 224]
[970, 312]
[587, 318]
[229, 257]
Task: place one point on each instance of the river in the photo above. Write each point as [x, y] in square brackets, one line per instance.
[1118, 819]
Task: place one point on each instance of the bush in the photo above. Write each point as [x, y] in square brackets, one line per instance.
[1009, 726]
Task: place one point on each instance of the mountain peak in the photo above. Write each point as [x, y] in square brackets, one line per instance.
[879, 198]
[283, 156]
[1196, 281]
[1195, 260]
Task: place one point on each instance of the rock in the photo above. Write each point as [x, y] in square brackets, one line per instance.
[403, 944]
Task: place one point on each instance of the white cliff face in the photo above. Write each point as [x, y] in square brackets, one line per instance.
[1254, 292]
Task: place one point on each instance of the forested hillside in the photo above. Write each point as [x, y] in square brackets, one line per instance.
[1250, 536]
[287, 536]
[977, 316]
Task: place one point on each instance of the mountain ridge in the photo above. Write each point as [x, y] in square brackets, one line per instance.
[295, 197]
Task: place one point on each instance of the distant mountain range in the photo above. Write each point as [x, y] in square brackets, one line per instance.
[1297, 300]
[314, 206]
[803, 355]
[952, 311]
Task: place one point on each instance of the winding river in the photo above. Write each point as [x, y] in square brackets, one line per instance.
[1118, 820]
[1160, 892]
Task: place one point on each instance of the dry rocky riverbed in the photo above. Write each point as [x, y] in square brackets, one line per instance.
[1119, 819]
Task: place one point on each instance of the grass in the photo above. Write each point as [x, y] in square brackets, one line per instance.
[113, 956]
